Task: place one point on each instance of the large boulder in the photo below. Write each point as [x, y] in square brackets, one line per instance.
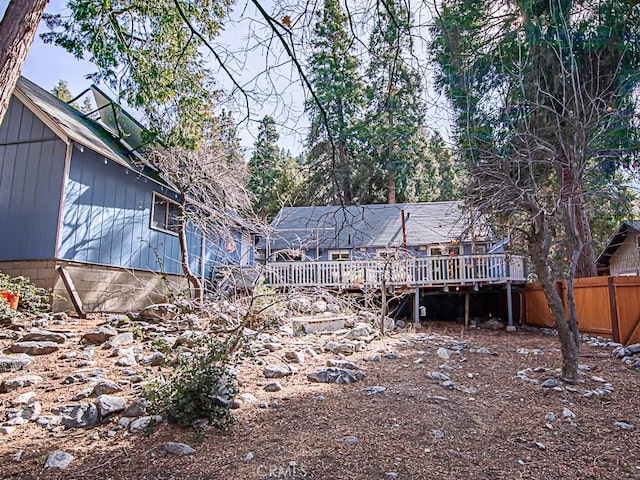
[11, 384]
[84, 415]
[14, 363]
[36, 335]
[110, 404]
[34, 348]
[98, 336]
[335, 375]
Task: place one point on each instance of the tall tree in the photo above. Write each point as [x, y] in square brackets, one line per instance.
[265, 169]
[61, 90]
[393, 127]
[535, 85]
[338, 101]
[151, 53]
[17, 31]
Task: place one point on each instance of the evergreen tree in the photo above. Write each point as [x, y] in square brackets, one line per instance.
[393, 131]
[265, 169]
[339, 91]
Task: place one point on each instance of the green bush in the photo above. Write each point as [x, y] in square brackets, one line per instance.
[32, 299]
[202, 386]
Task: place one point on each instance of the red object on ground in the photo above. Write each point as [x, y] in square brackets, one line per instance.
[11, 298]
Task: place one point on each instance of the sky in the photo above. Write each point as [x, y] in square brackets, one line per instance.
[259, 66]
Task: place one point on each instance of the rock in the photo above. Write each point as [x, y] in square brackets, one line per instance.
[448, 384]
[320, 398]
[179, 449]
[248, 457]
[342, 364]
[319, 306]
[7, 430]
[155, 359]
[137, 408]
[549, 383]
[58, 459]
[344, 347]
[98, 336]
[273, 346]
[349, 440]
[84, 415]
[125, 338]
[34, 348]
[566, 413]
[391, 475]
[443, 353]
[437, 434]
[140, 424]
[598, 379]
[23, 399]
[24, 414]
[127, 360]
[390, 356]
[438, 376]
[161, 312]
[11, 384]
[43, 336]
[248, 398]
[49, 421]
[541, 446]
[400, 324]
[483, 351]
[361, 330]
[335, 375]
[106, 387]
[300, 304]
[373, 389]
[295, 356]
[550, 416]
[389, 324]
[522, 351]
[109, 404]
[278, 371]
[634, 349]
[273, 387]
[623, 425]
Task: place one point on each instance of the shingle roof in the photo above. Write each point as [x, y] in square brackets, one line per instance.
[375, 226]
[617, 239]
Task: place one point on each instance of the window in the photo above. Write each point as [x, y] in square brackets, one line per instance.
[481, 248]
[164, 214]
[435, 251]
[338, 254]
[387, 254]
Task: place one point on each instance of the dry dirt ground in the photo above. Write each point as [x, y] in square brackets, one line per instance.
[492, 425]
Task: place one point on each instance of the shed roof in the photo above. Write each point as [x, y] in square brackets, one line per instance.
[377, 226]
[617, 239]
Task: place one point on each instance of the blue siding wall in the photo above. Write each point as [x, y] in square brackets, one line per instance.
[107, 218]
[31, 175]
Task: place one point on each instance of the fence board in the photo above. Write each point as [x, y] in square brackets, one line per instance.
[597, 311]
[627, 291]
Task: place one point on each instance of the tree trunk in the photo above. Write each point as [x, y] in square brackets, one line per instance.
[391, 189]
[539, 243]
[17, 31]
[193, 280]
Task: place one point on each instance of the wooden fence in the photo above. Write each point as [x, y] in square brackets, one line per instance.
[607, 306]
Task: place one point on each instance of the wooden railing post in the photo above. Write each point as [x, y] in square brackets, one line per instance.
[613, 308]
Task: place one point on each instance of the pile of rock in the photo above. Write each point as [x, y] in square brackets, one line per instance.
[629, 355]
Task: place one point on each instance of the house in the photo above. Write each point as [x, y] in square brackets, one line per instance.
[83, 215]
[424, 248]
[621, 256]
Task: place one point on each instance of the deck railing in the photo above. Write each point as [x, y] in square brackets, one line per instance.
[416, 272]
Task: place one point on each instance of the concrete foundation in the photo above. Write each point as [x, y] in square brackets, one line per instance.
[100, 288]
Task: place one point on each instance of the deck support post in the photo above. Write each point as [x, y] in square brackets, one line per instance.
[416, 306]
[466, 309]
[509, 305]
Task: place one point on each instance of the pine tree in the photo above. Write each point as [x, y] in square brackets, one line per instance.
[265, 169]
[393, 130]
[339, 91]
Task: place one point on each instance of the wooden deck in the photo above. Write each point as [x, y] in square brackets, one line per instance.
[433, 271]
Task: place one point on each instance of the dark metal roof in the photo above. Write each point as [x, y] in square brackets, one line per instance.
[617, 239]
[377, 226]
[83, 130]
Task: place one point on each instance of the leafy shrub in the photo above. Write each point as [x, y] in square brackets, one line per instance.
[202, 386]
[32, 299]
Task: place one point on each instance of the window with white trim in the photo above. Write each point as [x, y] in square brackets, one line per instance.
[338, 254]
[164, 214]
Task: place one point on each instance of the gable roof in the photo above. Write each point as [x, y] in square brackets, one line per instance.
[618, 238]
[72, 125]
[377, 226]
